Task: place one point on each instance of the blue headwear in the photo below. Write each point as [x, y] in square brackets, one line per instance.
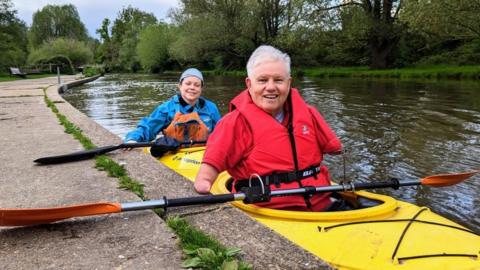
[191, 72]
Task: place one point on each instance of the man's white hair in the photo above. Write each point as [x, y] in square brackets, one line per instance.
[266, 53]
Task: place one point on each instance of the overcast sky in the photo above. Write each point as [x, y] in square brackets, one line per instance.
[92, 12]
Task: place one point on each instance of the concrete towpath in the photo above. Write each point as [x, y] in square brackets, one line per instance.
[132, 240]
[30, 130]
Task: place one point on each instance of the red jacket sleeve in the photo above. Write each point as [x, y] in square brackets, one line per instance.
[326, 138]
[228, 143]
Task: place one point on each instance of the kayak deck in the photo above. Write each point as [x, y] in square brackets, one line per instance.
[391, 235]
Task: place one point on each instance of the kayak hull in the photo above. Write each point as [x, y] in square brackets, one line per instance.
[391, 235]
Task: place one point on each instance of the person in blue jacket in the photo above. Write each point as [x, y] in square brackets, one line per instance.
[187, 116]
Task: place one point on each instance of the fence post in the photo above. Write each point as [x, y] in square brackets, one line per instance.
[58, 75]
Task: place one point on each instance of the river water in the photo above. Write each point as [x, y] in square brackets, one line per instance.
[389, 128]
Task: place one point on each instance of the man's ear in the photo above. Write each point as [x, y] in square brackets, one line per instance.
[248, 82]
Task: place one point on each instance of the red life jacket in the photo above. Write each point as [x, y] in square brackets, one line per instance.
[273, 152]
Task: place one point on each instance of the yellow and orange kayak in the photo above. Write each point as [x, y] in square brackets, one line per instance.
[390, 235]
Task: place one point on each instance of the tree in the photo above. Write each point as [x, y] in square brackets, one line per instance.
[105, 52]
[223, 33]
[13, 37]
[54, 21]
[381, 21]
[153, 47]
[124, 37]
[450, 29]
[443, 19]
[214, 33]
[277, 15]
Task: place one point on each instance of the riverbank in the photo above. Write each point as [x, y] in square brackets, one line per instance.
[435, 72]
[432, 72]
[135, 240]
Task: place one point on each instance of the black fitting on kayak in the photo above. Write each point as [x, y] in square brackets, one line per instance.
[256, 194]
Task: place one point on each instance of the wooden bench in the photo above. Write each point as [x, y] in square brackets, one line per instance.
[17, 72]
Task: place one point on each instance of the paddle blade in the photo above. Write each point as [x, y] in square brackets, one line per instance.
[77, 156]
[24, 217]
[443, 180]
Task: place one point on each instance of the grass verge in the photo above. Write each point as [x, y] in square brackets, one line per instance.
[102, 163]
[420, 72]
[201, 250]
[432, 72]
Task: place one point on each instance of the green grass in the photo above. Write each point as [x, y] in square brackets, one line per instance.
[114, 169]
[238, 73]
[6, 77]
[201, 250]
[420, 72]
[102, 163]
[432, 72]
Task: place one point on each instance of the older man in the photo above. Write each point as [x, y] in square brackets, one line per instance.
[272, 135]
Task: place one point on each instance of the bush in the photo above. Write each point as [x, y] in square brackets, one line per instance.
[76, 51]
[466, 54]
[90, 71]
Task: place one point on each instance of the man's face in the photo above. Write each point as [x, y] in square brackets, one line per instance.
[190, 89]
[269, 86]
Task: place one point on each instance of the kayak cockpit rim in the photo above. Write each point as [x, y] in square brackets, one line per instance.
[386, 208]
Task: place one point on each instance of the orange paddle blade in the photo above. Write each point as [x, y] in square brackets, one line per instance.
[32, 216]
[448, 179]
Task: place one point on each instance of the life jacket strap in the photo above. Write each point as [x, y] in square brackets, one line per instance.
[278, 178]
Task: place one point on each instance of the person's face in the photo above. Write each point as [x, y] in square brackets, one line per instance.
[190, 89]
[269, 86]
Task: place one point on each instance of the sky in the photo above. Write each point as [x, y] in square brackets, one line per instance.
[92, 12]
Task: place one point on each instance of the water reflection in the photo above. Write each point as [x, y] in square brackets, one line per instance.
[390, 128]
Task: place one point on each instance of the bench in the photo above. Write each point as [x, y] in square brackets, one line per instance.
[17, 72]
[29, 71]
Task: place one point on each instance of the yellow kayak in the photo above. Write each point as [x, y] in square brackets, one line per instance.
[391, 235]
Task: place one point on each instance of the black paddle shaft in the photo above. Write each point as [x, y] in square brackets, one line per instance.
[87, 154]
[165, 203]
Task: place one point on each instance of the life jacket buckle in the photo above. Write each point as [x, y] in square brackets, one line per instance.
[292, 176]
[276, 180]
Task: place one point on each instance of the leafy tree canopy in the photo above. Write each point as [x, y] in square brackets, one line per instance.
[54, 21]
[153, 47]
[13, 37]
[120, 45]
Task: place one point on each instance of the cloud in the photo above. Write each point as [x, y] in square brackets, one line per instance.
[92, 12]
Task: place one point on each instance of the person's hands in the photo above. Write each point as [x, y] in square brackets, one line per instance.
[163, 145]
[129, 148]
[205, 177]
[202, 186]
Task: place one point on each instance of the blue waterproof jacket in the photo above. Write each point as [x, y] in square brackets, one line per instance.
[148, 128]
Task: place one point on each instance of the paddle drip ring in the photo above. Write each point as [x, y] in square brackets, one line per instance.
[260, 180]
[350, 186]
